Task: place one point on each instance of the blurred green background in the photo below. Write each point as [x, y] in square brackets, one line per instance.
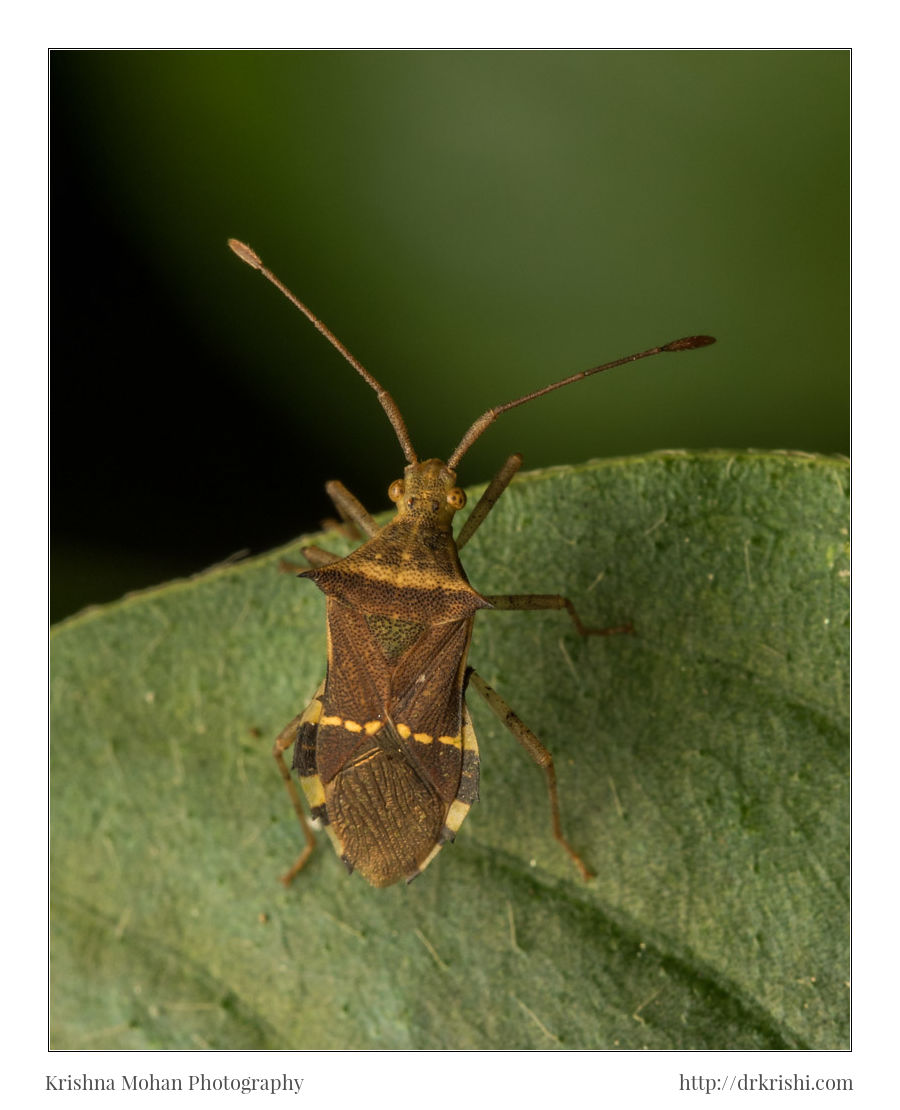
[472, 225]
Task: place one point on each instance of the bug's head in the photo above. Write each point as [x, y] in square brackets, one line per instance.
[427, 492]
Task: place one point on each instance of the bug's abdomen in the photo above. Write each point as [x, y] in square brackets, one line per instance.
[386, 817]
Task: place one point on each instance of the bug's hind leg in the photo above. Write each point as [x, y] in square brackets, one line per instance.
[539, 754]
[301, 730]
[285, 740]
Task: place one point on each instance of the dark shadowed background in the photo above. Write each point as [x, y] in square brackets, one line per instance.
[472, 225]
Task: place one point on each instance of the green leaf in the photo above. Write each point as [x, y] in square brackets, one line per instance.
[702, 766]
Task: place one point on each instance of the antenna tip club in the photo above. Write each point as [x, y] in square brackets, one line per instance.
[689, 343]
[246, 254]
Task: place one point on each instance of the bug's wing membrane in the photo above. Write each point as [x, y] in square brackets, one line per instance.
[466, 794]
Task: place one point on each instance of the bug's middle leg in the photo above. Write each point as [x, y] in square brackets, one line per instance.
[553, 601]
[538, 753]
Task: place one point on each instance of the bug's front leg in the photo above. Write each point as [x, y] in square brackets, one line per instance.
[553, 601]
[357, 521]
[351, 509]
[316, 556]
[538, 753]
[302, 729]
[488, 499]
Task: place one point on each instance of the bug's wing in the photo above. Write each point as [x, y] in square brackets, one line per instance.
[390, 738]
[356, 694]
[427, 704]
[384, 812]
[466, 794]
[418, 691]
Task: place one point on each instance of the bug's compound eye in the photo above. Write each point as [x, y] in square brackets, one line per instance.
[395, 489]
[456, 498]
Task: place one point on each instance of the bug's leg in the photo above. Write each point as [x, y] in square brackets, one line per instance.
[351, 510]
[553, 601]
[289, 736]
[488, 499]
[316, 556]
[348, 530]
[538, 753]
[286, 738]
[355, 522]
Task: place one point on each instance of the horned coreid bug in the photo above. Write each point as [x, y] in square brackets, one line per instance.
[385, 751]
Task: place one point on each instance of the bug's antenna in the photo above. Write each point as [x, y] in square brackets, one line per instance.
[248, 255]
[486, 419]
